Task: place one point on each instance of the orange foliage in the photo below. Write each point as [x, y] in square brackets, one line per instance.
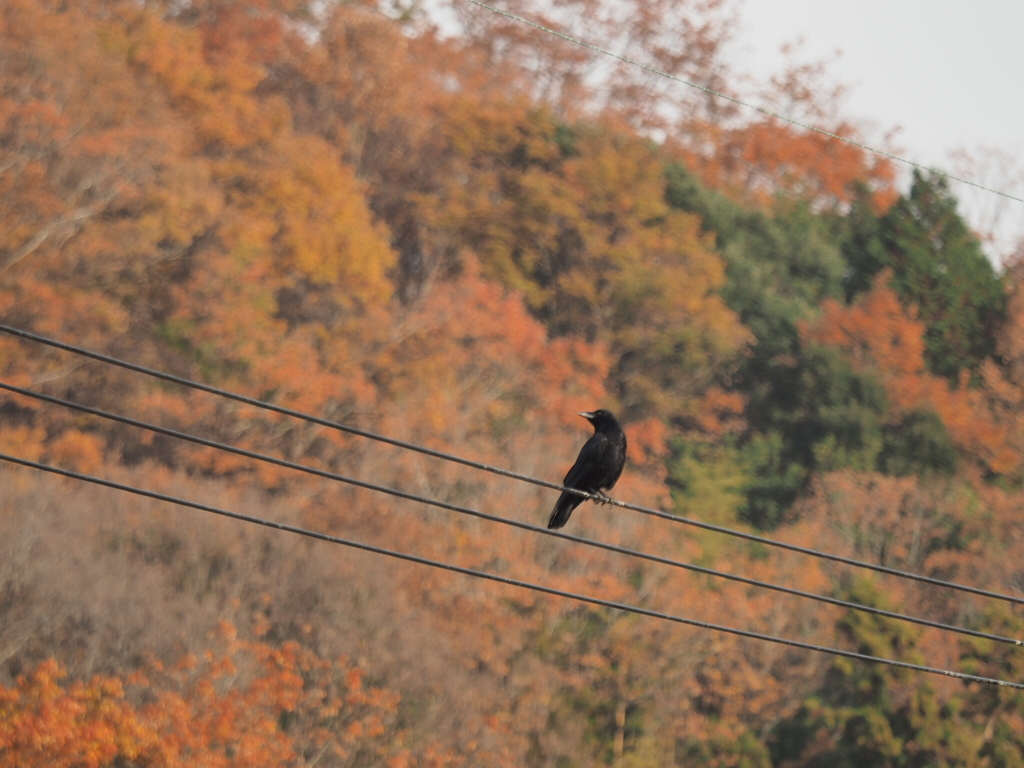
[720, 412]
[146, 178]
[255, 705]
[1004, 384]
[879, 336]
[580, 225]
[766, 159]
[23, 441]
[77, 450]
[471, 336]
[83, 724]
[757, 160]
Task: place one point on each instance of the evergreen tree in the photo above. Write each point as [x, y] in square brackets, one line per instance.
[823, 416]
[938, 267]
[874, 716]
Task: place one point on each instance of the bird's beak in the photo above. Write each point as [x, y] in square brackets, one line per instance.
[586, 415]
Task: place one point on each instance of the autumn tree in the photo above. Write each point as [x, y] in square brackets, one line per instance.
[683, 39]
[217, 195]
[574, 217]
[879, 336]
[812, 157]
[249, 704]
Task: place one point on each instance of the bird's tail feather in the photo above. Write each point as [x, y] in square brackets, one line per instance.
[567, 502]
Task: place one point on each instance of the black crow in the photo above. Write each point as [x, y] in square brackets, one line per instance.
[597, 468]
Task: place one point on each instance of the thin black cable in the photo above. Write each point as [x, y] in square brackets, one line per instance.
[502, 520]
[740, 102]
[505, 579]
[505, 472]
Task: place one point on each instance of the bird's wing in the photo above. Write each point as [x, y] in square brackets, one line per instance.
[587, 463]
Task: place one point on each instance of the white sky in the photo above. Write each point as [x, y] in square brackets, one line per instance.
[949, 73]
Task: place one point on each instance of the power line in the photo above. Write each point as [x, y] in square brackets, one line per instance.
[282, 410]
[740, 102]
[680, 519]
[502, 520]
[508, 580]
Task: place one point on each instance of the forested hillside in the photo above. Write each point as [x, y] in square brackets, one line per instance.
[460, 237]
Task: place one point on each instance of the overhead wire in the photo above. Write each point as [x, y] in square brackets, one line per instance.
[678, 519]
[740, 102]
[334, 476]
[542, 588]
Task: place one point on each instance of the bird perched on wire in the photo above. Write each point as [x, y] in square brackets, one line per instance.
[597, 468]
